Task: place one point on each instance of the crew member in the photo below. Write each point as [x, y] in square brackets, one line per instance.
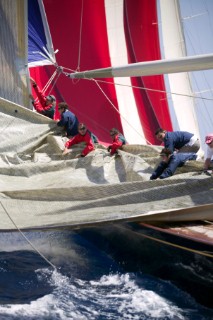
[179, 141]
[45, 104]
[84, 135]
[170, 162]
[118, 141]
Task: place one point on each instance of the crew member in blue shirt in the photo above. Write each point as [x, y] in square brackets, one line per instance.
[170, 162]
[179, 141]
[68, 121]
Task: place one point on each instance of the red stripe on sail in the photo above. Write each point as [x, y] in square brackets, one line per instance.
[91, 106]
[142, 38]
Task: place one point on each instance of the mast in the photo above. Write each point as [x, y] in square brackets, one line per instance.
[13, 54]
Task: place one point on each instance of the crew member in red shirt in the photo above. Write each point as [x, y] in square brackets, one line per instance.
[84, 135]
[118, 140]
[45, 104]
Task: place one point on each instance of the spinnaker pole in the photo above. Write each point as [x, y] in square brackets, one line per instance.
[185, 64]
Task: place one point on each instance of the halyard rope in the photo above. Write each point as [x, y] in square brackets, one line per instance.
[80, 37]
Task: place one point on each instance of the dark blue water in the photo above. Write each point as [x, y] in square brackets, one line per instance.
[100, 275]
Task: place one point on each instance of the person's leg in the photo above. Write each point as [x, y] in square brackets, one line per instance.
[194, 148]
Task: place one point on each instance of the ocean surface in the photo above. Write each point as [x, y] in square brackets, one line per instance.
[101, 274]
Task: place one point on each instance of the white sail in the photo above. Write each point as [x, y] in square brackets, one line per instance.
[174, 47]
[117, 47]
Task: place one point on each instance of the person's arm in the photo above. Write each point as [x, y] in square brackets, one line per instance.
[159, 170]
[71, 120]
[171, 167]
[71, 142]
[40, 95]
[208, 156]
[66, 150]
[38, 107]
[169, 144]
[61, 123]
[207, 163]
[89, 145]
[117, 143]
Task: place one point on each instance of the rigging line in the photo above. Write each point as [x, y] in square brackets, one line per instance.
[107, 99]
[119, 112]
[154, 90]
[58, 73]
[81, 113]
[50, 263]
[47, 84]
[49, 81]
[209, 222]
[147, 89]
[74, 81]
[65, 68]
[80, 36]
[172, 244]
[95, 123]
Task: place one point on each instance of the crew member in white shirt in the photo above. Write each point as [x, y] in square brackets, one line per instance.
[208, 151]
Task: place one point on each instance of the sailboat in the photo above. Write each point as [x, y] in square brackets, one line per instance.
[42, 190]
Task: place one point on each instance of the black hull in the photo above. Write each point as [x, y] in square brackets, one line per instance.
[137, 249]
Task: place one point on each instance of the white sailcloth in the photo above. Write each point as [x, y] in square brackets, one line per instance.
[118, 56]
[182, 109]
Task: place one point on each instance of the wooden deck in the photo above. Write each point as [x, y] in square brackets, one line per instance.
[199, 231]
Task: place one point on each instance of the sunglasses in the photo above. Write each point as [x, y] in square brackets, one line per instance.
[83, 128]
[112, 134]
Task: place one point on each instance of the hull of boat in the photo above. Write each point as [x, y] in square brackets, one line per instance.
[136, 247]
[196, 237]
